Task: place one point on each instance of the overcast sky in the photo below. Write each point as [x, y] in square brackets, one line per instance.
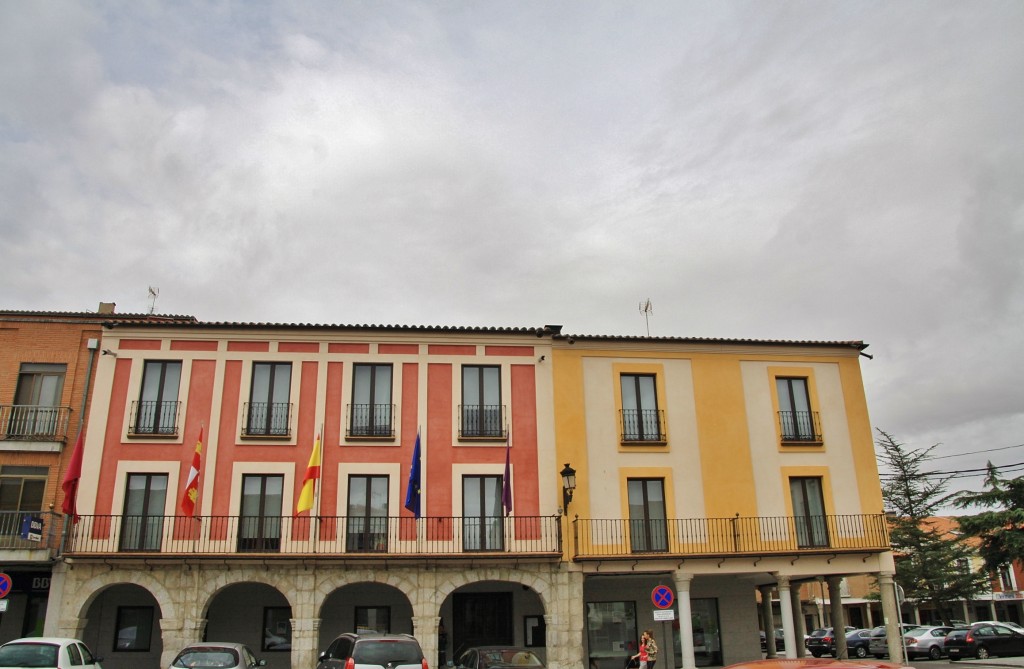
[766, 170]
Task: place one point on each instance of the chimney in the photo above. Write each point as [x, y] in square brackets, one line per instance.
[106, 307]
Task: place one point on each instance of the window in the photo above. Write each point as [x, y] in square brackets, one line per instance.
[641, 419]
[269, 409]
[647, 517]
[611, 632]
[809, 511]
[367, 514]
[482, 522]
[373, 620]
[482, 413]
[1005, 578]
[157, 409]
[21, 489]
[371, 402]
[143, 522]
[260, 523]
[796, 420]
[277, 628]
[534, 632]
[134, 628]
[36, 411]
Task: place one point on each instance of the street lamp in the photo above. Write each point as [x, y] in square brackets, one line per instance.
[568, 486]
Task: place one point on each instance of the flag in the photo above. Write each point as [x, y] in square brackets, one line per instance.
[71, 478]
[506, 484]
[308, 493]
[412, 491]
[188, 500]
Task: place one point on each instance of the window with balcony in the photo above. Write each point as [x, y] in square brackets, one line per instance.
[641, 418]
[269, 410]
[482, 414]
[36, 411]
[371, 410]
[142, 525]
[157, 409]
[483, 526]
[21, 492]
[796, 420]
[259, 527]
[809, 512]
[367, 514]
[648, 521]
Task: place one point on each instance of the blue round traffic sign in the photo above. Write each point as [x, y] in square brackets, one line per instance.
[662, 597]
[5, 585]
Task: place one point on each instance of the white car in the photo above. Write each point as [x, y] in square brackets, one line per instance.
[47, 653]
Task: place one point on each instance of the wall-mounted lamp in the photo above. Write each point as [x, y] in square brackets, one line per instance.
[107, 351]
[568, 486]
[541, 358]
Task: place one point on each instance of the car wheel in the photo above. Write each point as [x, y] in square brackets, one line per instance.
[815, 653]
[935, 653]
[982, 653]
[861, 651]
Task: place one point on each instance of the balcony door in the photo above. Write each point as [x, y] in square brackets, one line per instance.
[37, 400]
[269, 405]
[260, 523]
[648, 528]
[142, 525]
[483, 527]
[481, 401]
[640, 415]
[809, 512]
[795, 416]
[371, 401]
[367, 514]
[158, 401]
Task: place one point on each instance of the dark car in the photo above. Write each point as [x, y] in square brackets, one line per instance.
[857, 643]
[780, 641]
[498, 657]
[373, 651]
[822, 641]
[982, 640]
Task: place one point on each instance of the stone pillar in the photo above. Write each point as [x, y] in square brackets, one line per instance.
[176, 633]
[786, 608]
[566, 622]
[55, 600]
[305, 639]
[891, 616]
[767, 620]
[835, 601]
[799, 630]
[683, 580]
[74, 628]
[424, 628]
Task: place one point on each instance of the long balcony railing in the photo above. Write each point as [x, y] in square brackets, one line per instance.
[351, 536]
[17, 532]
[34, 423]
[752, 535]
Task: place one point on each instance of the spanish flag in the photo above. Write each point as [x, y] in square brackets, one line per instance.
[309, 483]
[188, 500]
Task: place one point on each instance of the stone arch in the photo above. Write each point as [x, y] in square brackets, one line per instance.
[83, 594]
[218, 581]
[402, 581]
[454, 580]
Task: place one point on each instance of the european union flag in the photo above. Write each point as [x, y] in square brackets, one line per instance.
[412, 492]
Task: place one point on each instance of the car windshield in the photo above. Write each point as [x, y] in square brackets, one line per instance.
[383, 651]
[509, 657]
[206, 657]
[29, 655]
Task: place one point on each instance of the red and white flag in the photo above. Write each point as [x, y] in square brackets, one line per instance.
[188, 500]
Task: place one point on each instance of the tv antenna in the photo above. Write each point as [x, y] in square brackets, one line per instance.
[646, 308]
[153, 294]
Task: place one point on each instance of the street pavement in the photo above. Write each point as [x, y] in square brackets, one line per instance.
[995, 662]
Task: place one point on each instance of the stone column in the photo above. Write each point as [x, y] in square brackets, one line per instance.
[767, 620]
[51, 626]
[799, 630]
[891, 616]
[566, 623]
[305, 638]
[683, 580]
[835, 601]
[786, 608]
[424, 628]
[176, 633]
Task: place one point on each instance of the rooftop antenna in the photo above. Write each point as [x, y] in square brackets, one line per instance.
[646, 308]
[153, 294]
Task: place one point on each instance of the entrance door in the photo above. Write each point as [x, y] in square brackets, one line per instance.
[482, 619]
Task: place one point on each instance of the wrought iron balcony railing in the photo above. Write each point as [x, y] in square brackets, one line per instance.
[156, 418]
[757, 535]
[642, 425]
[799, 426]
[371, 420]
[487, 421]
[351, 536]
[267, 419]
[32, 422]
[17, 534]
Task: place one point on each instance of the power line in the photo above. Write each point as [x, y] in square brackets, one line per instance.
[987, 450]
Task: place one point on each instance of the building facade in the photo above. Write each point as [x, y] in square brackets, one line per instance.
[573, 492]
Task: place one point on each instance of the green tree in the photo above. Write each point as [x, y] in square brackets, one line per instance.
[929, 560]
[1001, 530]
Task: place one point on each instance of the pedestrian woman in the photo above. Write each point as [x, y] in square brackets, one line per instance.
[652, 649]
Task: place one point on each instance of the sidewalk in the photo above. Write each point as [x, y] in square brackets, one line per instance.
[995, 662]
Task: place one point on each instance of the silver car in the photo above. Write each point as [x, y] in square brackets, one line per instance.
[373, 651]
[216, 655]
[927, 641]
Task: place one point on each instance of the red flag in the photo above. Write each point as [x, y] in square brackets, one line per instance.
[71, 478]
[188, 500]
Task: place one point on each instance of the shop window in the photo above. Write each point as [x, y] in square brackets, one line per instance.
[277, 628]
[134, 628]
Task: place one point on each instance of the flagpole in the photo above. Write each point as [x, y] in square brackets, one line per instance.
[316, 490]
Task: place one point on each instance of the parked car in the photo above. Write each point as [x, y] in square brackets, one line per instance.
[813, 663]
[373, 651]
[857, 643]
[822, 642]
[1000, 622]
[926, 641]
[982, 640]
[494, 657]
[49, 652]
[780, 641]
[216, 655]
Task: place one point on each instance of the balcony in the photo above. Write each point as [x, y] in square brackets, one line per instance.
[15, 535]
[371, 421]
[352, 537]
[800, 426]
[728, 537]
[155, 418]
[30, 422]
[482, 421]
[642, 425]
[266, 419]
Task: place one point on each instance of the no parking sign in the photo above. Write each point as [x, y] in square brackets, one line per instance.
[662, 597]
[5, 585]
